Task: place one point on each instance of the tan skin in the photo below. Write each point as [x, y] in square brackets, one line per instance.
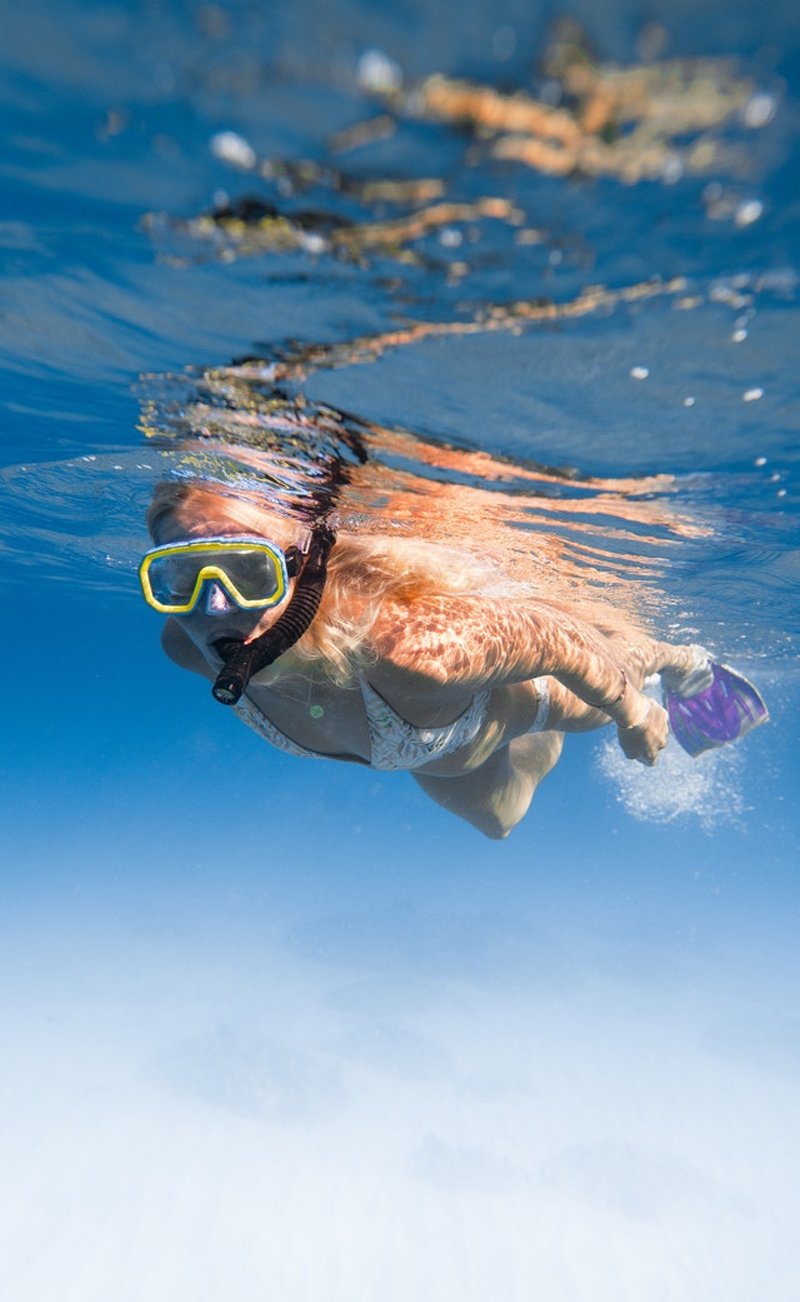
[433, 655]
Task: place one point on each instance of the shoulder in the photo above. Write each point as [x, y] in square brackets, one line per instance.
[454, 641]
[420, 635]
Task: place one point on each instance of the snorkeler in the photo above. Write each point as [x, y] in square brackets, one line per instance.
[407, 655]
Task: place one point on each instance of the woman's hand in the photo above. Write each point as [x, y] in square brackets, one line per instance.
[645, 739]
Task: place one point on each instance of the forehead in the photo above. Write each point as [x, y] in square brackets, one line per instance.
[204, 515]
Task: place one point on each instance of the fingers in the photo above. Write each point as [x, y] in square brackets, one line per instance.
[645, 741]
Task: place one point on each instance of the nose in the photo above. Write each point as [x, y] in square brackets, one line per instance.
[217, 601]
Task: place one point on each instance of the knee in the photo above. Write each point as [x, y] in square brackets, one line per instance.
[493, 825]
[496, 834]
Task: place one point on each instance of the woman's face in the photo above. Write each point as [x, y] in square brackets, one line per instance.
[216, 616]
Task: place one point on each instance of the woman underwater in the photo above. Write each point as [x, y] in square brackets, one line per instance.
[412, 655]
[404, 652]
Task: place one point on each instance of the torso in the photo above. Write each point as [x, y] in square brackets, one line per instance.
[316, 714]
[331, 721]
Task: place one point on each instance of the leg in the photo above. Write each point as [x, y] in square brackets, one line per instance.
[497, 795]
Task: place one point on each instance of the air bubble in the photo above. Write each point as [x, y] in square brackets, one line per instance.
[232, 148]
[377, 72]
[748, 212]
[760, 110]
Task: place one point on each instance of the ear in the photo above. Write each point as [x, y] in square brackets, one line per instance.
[180, 648]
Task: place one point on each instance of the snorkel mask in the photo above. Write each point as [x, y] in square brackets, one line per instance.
[254, 574]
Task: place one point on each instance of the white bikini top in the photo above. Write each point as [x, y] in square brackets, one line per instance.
[394, 742]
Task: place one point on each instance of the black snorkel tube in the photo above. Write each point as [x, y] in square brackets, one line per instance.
[241, 660]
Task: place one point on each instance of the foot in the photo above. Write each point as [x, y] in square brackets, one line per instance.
[706, 717]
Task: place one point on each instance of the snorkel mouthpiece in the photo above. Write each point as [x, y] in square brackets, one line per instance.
[236, 671]
[242, 660]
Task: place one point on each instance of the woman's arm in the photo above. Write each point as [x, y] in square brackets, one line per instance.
[461, 644]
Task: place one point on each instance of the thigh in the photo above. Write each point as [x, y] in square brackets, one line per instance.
[496, 796]
[474, 796]
[511, 712]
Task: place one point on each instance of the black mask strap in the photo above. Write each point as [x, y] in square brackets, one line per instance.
[242, 660]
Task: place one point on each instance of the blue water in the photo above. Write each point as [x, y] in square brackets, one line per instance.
[281, 1030]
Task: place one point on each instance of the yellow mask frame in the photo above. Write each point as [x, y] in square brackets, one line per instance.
[283, 563]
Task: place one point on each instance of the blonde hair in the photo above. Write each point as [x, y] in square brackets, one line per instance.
[365, 572]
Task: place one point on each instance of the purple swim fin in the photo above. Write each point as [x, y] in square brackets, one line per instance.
[725, 710]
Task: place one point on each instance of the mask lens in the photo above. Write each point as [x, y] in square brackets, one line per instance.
[253, 574]
[172, 579]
